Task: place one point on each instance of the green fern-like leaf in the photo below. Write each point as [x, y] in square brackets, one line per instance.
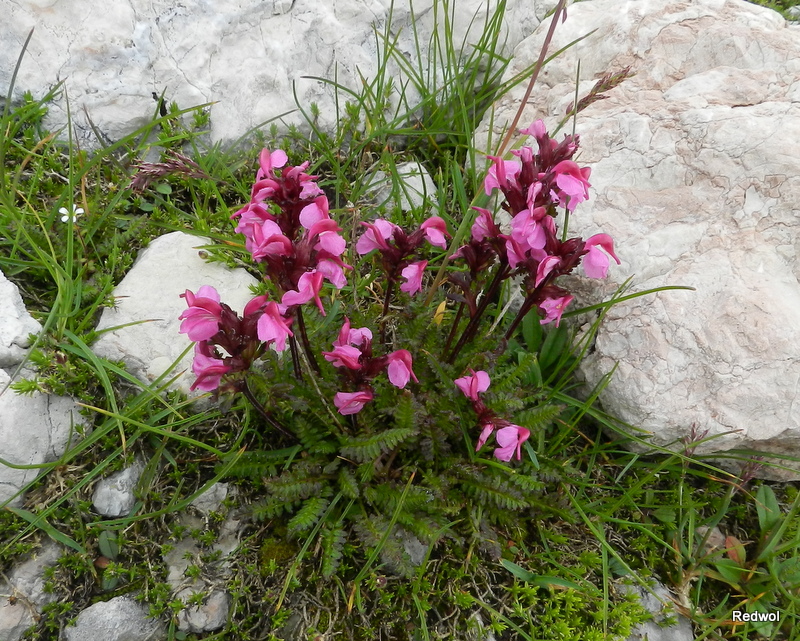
[297, 484]
[258, 464]
[272, 507]
[367, 448]
[333, 540]
[315, 438]
[493, 491]
[510, 380]
[538, 417]
[370, 531]
[404, 413]
[308, 515]
[348, 484]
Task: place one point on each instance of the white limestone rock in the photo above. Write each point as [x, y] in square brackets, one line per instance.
[695, 176]
[16, 324]
[114, 496]
[25, 583]
[33, 430]
[415, 189]
[119, 619]
[660, 603]
[208, 617]
[211, 500]
[150, 295]
[244, 56]
[212, 613]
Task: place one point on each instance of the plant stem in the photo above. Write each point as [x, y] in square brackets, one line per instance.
[298, 372]
[306, 344]
[523, 310]
[472, 326]
[386, 301]
[539, 63]
[248, 393]
[453, 329]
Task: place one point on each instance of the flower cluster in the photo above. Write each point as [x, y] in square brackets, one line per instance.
[288, 228]
[396, 246]
[352, 351]
[533, 187]
[289, 232]
[214, 326]
[509, 437]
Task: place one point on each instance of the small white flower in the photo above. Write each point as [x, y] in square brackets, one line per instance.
[65, 215]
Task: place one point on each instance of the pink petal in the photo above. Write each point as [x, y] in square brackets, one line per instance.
[351, 402]
[400, 368]
[413, 275]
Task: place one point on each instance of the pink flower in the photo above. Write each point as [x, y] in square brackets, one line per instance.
[255, 305]
[357, 337]
[595, 262]
[270, 160]
[268, 240]
[484, 225]
[413, 275]
[471, 386]
[307, 288]
[553, 308]
[201, 321]
[537, 129]
[515, 251]
[510, 439]
[209, 370]
[250, 215]
[351, 402]
[313, 213]
[272, 326]
[435, 231]
[527, 229]
[400, 368]
[264, 189]
[329, 241]
[572, 181]
[331, 267]
[344, 356]
[375, 237]
[309, 189]
[486, 432]
[545, 267]
[501, 174]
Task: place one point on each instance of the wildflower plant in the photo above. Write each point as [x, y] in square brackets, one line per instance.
[358, 371]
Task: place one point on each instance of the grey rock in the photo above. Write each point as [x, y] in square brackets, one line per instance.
[695, 176]
[212, 613]
[211, 500]
[248, 57]
[658, 601]
[150, 295]
[415, 189]
[34, 430]
[114, 496]
[120, 619]
[210, 616]
[16, 324]
[26, 585]
[15, 618]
